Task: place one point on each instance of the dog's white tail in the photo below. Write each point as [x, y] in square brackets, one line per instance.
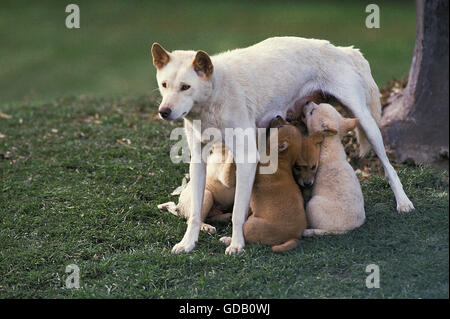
[371, 91]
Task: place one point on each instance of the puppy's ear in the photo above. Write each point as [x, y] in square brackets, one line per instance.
[350, 124]
[317, 137]
[282, 146]
[328, 130]
[160, 56]
[202, 64]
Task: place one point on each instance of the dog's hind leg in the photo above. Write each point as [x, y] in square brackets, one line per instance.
[373, 134]
[222, 218]
[288, 245]
[357, 105]
[258, 230]
[208, 202]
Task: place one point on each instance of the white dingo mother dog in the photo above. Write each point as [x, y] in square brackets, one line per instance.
[246, 88]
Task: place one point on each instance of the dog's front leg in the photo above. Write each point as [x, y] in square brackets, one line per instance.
[197, 171]
[245, 176]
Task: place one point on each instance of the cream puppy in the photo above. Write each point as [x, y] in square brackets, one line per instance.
[337, 203]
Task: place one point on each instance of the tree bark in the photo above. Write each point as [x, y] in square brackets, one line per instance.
[415, 125]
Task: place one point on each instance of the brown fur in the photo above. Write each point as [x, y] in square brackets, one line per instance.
[202, 64]
[278, 218]
[160, 56]
[294, 115]
[219, 189]
[305, 173]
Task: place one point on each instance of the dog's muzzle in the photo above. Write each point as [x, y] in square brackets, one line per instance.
[165, 112]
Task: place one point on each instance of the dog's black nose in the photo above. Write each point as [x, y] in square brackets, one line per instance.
[307, 184]
[165, 112]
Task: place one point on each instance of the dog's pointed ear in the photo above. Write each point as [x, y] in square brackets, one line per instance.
[328, 130]
[282, 146]
[160, 56]
[350, 124]
[202, 64]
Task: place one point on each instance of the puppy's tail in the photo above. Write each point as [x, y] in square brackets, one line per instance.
[372, 94]
[288, 245]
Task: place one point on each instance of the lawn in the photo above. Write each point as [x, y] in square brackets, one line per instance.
[80, 179]
[84, 160]
[110, 53]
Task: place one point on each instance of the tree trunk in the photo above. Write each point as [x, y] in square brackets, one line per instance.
[415, 125]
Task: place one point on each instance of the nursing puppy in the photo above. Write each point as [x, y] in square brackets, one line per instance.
[246, 88]
[337, 203]
[278, 217]
[219, 190]
[305, 173]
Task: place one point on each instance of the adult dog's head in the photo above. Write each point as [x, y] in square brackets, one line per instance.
[184, 79]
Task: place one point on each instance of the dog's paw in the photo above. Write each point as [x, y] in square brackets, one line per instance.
[226, 240]
[308, 233]
[183, 247]
[208, 228]
[405, 206]
[234, 249]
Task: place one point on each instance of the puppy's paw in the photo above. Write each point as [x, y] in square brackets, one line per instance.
[308, 233]
[183, 247]
[226, 240]
[405, 206]
[208, 228]
[234, 249]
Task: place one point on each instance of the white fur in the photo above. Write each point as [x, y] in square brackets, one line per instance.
[249, 87]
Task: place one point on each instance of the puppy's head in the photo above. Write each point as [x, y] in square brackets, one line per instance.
[290, 143]
[184, 79]
[325, 118]
[277, 122]
[295, 115]
[306, 169]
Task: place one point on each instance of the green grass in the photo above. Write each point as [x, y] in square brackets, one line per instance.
[70, 194]
[110, 54]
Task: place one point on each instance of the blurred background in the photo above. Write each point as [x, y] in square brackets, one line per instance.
[41, 59]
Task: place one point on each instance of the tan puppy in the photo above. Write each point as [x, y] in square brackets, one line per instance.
[337, 203]
[305, 174]
[219, 190]
[278, 216]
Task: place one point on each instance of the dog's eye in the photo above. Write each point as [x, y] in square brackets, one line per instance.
[164, 84]
[185, 87]
[313, 167]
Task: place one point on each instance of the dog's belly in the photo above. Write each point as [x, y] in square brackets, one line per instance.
[279, 108]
